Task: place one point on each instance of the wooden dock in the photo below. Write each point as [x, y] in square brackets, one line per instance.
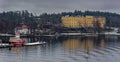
[6, 45]
[66, 34]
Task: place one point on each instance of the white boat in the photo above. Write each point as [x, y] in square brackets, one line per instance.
[34, 43]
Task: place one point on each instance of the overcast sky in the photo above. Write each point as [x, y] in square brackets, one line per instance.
[57, 6]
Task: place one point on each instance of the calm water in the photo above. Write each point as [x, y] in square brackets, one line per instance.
[66, 49]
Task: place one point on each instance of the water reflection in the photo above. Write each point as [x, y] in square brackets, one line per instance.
[16, 50]
[74, 44]
[102, 43]
[66, 49]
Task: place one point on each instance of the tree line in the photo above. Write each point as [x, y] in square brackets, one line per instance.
[10, 19]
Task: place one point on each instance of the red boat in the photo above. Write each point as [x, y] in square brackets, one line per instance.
[16, 41]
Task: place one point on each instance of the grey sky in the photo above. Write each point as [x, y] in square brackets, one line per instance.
[56, 6]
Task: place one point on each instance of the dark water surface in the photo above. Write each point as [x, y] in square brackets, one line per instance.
[66, 49]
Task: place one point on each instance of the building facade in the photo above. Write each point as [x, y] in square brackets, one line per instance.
[83, 21]
[23, 29]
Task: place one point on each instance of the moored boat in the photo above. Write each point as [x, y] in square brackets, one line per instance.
[16, 41]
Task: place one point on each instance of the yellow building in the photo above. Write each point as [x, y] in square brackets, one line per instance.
[89, 21]
[101, 21]
[78, 22]
[70, 22]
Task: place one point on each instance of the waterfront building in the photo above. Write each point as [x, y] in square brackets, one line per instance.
[23, 29]
[89, 21]
[83, 21]
[102, 21]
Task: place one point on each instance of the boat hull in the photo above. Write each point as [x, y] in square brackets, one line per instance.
[17, 41]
